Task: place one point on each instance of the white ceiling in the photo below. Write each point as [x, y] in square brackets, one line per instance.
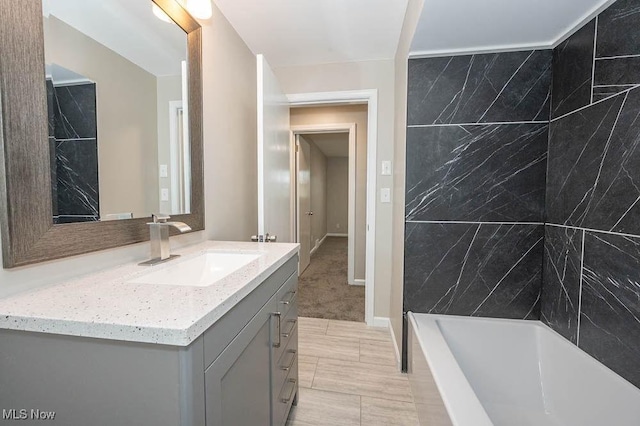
[304, 32]
[331, 144]
[129, 28]
[464, 26]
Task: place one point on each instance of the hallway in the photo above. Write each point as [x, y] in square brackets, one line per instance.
[323, 288]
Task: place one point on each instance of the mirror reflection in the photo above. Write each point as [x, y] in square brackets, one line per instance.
[116, 78]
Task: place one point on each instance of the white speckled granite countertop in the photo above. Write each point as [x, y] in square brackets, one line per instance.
[105, 305]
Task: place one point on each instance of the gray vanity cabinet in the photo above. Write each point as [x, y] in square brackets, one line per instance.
[242, 371]
[238, 382]
[245, 385]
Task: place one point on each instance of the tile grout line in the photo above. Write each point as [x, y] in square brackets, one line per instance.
[594, 103]
[616, 85]
[605, 58]
[494, 123]
[593, 64]
[599, 231]
[462, 222]
[365, 396]
[580, 292]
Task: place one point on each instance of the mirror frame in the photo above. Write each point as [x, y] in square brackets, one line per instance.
[26, 220]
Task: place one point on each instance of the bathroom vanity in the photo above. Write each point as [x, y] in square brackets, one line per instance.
[207, 339]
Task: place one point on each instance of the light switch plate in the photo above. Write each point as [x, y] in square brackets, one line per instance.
[385, 195]
[386, 168]
[164, 194]
[164, 171]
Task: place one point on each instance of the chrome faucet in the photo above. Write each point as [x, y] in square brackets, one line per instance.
[160, 248]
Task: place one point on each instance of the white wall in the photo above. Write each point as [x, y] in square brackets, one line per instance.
[359, 76]
[338, 195]
[230, 163]
[400, 133]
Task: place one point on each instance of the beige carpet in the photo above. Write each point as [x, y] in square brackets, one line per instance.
[323, 288]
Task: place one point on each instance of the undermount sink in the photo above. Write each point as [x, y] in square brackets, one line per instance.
[201, 271]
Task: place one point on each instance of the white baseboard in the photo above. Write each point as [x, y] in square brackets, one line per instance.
[357, 282]
[331, 234]
[381, 322]
[317, 246]
[395, 347]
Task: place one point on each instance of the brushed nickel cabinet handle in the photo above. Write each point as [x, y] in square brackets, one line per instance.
[293, 389]
[279, 315]
[293, 325]
[291, 298]
[293, 360]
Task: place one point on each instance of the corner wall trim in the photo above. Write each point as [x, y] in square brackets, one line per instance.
[359, 282]
[381, 322]
[317, 246]
[395, 347]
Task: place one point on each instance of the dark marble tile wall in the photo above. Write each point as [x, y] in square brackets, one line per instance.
[610, 311]
[500, 87]
[476, 165]
[598, 61]
[591, 273]
[486, 173]
[73, 125]
[561, 280]
[573, 71]
[52, 147]
[473, 269]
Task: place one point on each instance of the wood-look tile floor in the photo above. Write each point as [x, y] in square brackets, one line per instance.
[349, 377]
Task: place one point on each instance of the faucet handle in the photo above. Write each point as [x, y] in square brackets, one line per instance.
[160, 218]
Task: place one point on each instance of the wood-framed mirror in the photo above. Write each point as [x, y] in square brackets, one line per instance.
[33, 227]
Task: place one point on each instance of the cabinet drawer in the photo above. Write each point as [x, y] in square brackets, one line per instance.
[288, 317]
[283, 399]
[283, 365]
[288, 295]
[220, 334]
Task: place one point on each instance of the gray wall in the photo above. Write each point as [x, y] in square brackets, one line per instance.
[338, 195]
[592, 236]
[475, 183]
[318, 171]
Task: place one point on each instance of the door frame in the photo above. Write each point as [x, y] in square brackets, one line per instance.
[295, 212]
[350, 129]
[369, 97]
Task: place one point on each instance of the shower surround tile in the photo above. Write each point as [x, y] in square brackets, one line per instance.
[593, 161]
[75, 111]
[572, 71]
[77, 177]
[610, 319]
[488, 270]
[483, 88]
[618, 29]
[603, 92]
[560, 299]
[617, 72]
[476, 173]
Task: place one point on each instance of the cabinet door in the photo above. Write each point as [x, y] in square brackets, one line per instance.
[237, 383]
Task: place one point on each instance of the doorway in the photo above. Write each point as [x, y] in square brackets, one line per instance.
[331, 192]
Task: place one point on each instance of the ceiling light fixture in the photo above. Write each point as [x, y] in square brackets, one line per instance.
[201, 9]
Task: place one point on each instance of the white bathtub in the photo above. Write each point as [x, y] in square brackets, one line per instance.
[475, 372]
